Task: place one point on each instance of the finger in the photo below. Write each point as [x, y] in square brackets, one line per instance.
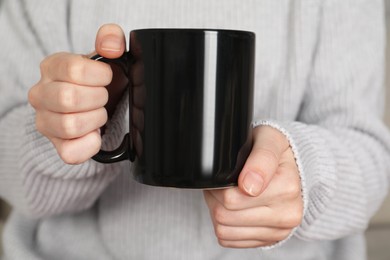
[110, 41]
[78, 150]
[245, 217]
[63, 97]
[244, 244]
[285, 216]
[261, 164]
[76, 69]
[284, 187]
[70, 126]
[233, 199]
[264, 234]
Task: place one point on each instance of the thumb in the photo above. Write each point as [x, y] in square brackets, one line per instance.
[110, 41]
[263, 161]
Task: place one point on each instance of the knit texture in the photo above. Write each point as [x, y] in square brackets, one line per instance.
[319, 80]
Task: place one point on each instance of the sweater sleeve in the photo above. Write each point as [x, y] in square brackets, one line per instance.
[341, 145]
[33, 179]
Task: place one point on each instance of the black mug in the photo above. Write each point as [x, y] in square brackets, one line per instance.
[192, 93]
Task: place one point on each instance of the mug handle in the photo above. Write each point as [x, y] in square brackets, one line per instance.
[125, 151]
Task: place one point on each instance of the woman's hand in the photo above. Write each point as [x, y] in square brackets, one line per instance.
[267, 204]
[71, 100]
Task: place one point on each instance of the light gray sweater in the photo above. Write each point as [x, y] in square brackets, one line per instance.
[319, 79]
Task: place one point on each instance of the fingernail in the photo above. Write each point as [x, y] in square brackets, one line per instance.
[253, 182]
[111, 44]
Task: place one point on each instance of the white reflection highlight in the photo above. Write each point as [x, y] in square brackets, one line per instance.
[210, 71]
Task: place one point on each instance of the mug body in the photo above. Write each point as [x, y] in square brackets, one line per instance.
[191, 102]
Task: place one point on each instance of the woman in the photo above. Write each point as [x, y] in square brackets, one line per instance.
[317, 172]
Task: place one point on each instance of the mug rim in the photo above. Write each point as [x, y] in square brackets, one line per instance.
[196, 30]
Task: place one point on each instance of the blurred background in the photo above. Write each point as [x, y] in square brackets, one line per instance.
[378, 233]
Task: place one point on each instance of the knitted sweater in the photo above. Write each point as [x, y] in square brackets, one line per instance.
[319, 80]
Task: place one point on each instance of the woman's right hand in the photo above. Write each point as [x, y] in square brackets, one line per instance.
[70, 98]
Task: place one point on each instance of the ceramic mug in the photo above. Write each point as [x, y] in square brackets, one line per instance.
[192, 90]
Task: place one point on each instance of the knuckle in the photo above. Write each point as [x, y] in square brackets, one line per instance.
[219, 214]
[32, 96]
[49, 62]
[69, 126]
[292, 220]
[74, 69]
[292, 191]
[66, 154]
[230, 200]
[67, 98]
[75, 152]
[220, 232]
[224, 243]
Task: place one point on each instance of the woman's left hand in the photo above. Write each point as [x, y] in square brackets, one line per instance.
[267, 204]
